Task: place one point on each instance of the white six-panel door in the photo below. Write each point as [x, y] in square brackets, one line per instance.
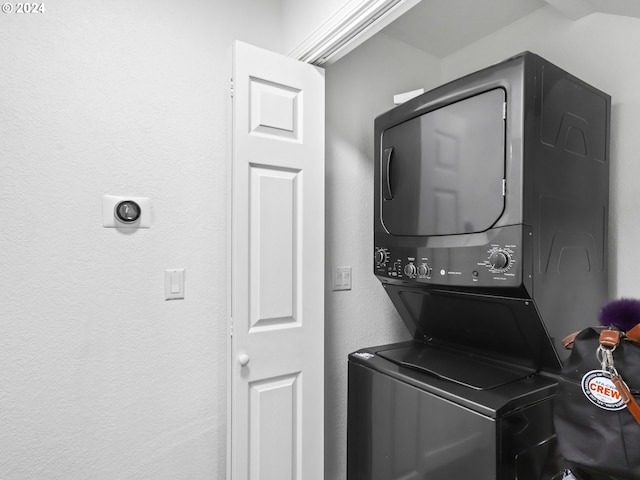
[277, 268]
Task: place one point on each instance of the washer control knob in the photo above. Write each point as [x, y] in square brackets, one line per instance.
[380, 256]
[410, 270]
[424, 270]
[499, 260]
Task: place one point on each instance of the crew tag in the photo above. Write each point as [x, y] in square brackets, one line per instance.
[601, 391]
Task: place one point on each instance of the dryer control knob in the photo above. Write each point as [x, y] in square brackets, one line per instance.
[499, 260]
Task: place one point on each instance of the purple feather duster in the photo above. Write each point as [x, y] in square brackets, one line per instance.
[623, 314]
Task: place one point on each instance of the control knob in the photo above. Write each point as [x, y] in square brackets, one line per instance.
[410, 270]
[424, 270]
[381, 257]
[499, 260]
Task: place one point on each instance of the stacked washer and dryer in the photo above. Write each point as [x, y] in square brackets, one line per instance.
[490, 231]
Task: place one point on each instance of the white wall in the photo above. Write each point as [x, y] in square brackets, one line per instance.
[602, 50]
[360, 86]
[100, 377]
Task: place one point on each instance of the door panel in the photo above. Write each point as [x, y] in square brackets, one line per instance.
[274, 249]
[277, 268]
[275, 109]
[274, 449]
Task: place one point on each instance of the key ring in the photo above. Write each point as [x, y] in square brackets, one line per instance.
[605, 357]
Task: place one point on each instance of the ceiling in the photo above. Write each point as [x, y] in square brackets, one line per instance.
[441, 27]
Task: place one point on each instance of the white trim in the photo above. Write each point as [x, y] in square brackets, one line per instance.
[228, 311]
[349, 27]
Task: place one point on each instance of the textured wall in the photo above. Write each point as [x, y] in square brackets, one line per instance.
[360, 86]
[601, 49]
[100, 377]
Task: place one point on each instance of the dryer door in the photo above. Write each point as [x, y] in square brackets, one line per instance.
[442, 173]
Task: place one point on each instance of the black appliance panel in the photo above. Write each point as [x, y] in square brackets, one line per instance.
[442, 173]
[418, 435]
[403, 424]
[488, 259]
[503, 328]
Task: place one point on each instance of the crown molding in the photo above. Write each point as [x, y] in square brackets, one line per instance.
[357, 21]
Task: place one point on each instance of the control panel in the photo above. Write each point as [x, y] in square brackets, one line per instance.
[412, 267]
[495, 264]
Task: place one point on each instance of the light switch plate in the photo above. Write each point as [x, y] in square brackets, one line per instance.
[174, 284]
[109, 219]
[342, 278]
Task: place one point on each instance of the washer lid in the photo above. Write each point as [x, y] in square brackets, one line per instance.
[473, 371]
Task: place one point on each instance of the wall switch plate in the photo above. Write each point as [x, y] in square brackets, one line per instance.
[342, 278]
[110, 219]
[174, 284]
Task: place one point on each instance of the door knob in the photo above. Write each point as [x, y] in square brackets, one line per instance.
[243, 359]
